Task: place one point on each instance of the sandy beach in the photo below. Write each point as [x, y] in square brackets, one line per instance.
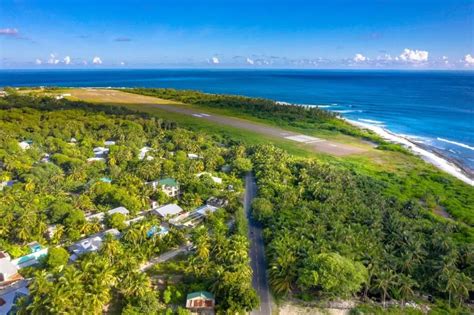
[430, 157]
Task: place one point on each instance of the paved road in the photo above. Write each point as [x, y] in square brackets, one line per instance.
[120, 97]
[257, 252]
[163, 257]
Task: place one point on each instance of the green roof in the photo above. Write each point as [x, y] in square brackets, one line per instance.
[168, 182]
[203, 294]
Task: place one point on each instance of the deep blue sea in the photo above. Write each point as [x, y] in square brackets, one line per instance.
[433, 107]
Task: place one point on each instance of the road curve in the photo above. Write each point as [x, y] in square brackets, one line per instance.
[257, 252]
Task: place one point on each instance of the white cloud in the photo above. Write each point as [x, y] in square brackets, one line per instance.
[67, 60]
[469, 59]
[359, 58]
[410, 55]
[385, 57]
[97, 60]
[38, 61]
[122, 63]
[215, 60]
[250, 61]
[84, 62]
[9, 31]
[52, 59]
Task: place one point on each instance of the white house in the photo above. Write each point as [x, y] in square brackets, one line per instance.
[108, 143]
[169, 210]
[143, 153]
[121, 210]
[101, 215]
[100, 152]
[90, 244]
[8, 270]
[25, 145]
[168, 185]
[95, 159]
[215, 179]
[193, 156]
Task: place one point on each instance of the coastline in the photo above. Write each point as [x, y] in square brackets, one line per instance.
[427, 155]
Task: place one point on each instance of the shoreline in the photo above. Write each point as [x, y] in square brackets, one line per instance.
[434, 158]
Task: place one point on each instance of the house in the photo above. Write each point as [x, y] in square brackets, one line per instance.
[169, 210]
[217, 202]
[45, 158]
[33, 258]
[193, 218]
[121, 210]
[137, 219]
[3, 93]
[72, 141]
[155, 231]
[143, 153]
[168, 185]
[105, 180]
[8, 270]
[216, 180]
[109, 143]
[9, 296]
[193, 156]
[101, 215]
[95, 159]
[100, 152]
[200, 302]
[90, 244]
[7, 183]
[25, 145]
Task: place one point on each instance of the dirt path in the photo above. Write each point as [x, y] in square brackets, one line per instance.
[118, 97]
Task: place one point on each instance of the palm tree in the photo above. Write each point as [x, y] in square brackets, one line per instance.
[384, 281]
[406, 286]
[135, 284]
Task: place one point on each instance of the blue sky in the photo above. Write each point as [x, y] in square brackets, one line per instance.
[252, 34]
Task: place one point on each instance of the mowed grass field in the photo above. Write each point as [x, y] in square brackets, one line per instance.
[405, 175]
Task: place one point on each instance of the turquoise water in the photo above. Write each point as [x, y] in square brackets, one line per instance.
[433, 107]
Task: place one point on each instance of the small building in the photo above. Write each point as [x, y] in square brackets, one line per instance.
[192, 218]
[105, 180]
[169, 210]
[72, 141]
[25, 145]
[33, 258]
[100, 152]
[215, 179]
[8, 270]
[137, 219]
[101, 215]
[143, 153]
[109, 143]
[7, 183]
[95, 159]
[217, 202]
[193, 156]
[91, 244]
[121, 210]
[201, 302]
[168, 185]
[45, 158]
[157, 230]
[9, 296]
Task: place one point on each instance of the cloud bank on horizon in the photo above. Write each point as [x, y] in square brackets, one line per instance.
[285, 34]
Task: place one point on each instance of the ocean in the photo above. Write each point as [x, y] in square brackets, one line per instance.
[432, 108]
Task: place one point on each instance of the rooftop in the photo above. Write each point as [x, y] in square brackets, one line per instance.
[168, 182]
[200, 294]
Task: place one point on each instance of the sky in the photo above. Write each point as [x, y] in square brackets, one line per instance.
[379, 34]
